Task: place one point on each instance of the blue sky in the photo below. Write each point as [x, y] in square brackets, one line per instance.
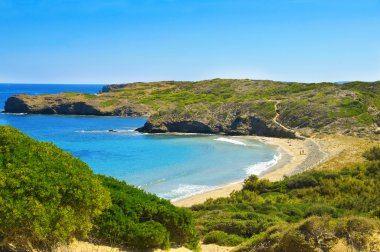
[115, 41]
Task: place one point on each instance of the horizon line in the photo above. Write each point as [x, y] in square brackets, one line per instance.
[132, 82]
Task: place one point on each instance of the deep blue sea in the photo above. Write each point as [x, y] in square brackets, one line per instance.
[172, 167]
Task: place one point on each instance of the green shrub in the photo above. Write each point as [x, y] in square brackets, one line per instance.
[321, 210]
[295, 241]
[47, 196]
[253, 183]
[149, 235]
[223, 239]
[372, 154]
[140, 220]
[356, 230]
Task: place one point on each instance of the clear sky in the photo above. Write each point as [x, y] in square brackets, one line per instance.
[115, 41]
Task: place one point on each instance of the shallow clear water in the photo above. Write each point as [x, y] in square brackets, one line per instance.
[171, 166]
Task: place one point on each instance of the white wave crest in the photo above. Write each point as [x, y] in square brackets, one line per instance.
[107, 131]
[185, 191]
[229, 140]
[15, 114]
[260, 167]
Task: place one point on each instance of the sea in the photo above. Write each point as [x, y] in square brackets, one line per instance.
[171, 166]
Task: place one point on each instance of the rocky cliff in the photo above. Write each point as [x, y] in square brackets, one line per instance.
[230, 119]
[69, 105]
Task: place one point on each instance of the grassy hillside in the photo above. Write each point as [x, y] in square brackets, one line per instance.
[227, 106]
[313, 210]
[48, 197]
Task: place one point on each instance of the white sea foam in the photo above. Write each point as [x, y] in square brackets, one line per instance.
[92, 131]
[15, 114]
[108, 131]
[260, 167]
[229, 140]
[184, 191]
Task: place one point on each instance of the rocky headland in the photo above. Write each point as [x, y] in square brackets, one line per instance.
[225, 106]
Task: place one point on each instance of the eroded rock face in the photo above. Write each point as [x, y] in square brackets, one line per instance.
[239, 126]
[16, 105]
[180, 126]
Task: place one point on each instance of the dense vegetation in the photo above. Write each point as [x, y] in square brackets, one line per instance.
[266, 213]
[227, 106]
[48, 197]
[140, 220]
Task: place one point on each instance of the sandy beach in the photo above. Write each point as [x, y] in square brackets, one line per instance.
[296, 156]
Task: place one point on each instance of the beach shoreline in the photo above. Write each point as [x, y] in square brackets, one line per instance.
[296, 156]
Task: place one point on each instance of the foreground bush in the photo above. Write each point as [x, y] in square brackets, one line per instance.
[373, 154]
[261, 204]
[318, 234]
[222, 239]
[46, 195]
[143, 221]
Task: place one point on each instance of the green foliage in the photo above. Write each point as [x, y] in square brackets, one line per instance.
[71, 94]
[108, 103]
[314, 234]
[90, 96]
[47, 196]
[262, 204]
[253, 183]
[373, 154]
[140, 220]
[223, 239]
[356, 230]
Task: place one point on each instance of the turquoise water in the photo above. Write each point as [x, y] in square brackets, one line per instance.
[172, 167]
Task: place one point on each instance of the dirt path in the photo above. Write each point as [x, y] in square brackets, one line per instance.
[277, 115]
[280, 124]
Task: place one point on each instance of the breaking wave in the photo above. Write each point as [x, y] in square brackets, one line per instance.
[260, 167]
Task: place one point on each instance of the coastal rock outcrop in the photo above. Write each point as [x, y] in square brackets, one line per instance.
[253, 126]
[229, 119]
[64, 104]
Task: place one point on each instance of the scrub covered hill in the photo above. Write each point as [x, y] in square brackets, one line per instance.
[226, 106]
[312, 211]
[48, 197]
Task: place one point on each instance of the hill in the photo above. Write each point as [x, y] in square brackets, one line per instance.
[226, 106]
